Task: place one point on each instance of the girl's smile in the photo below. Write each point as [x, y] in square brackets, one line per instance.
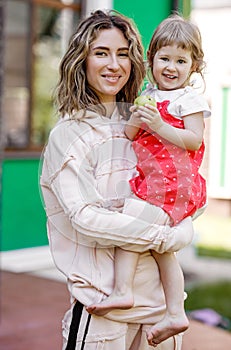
[172, 67]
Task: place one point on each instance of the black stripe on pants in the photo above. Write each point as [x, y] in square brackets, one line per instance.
[74, 327]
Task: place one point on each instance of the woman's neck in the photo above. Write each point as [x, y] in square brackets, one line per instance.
[110, 107]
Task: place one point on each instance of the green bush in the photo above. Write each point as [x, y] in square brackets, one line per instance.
[213, 252]
[216, 296]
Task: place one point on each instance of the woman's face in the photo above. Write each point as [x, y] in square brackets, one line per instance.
[108, 66]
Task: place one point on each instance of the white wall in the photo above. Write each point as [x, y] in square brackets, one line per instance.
[91, 5]
[215, 26]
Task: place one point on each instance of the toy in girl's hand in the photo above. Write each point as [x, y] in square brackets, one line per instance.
[145, 99]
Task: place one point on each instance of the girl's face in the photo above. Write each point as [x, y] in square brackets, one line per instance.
[108, 66]
[172, 67]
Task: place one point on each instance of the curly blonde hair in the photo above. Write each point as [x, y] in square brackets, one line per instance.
[73, 92]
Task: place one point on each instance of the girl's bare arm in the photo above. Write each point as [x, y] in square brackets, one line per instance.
[133, 124]
[189, 138]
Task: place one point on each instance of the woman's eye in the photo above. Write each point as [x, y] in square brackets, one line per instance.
[100, 53]
[123, 54]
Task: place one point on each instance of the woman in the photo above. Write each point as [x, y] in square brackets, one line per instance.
[87, 164]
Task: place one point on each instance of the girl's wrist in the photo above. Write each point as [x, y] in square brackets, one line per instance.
[133, 121]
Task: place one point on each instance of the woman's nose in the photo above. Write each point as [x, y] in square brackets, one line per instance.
[113, 62]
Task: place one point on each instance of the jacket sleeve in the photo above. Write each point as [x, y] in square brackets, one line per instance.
[96, 226]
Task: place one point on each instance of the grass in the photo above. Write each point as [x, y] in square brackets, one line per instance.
[213, 239]
[216, 296]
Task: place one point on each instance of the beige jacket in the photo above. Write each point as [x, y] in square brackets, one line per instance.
[84, 181]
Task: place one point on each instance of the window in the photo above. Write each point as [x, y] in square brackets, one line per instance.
[36, 33]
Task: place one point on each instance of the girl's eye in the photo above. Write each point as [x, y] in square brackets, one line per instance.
[181, 61]
[165, 59]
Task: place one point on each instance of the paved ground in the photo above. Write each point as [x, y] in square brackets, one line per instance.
[31, 312]
[34, 298]
[32, 308]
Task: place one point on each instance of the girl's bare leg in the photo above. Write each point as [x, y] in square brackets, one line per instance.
[175, 320]
[122, 294]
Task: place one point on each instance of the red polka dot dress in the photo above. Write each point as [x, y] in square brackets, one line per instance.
[168, 176]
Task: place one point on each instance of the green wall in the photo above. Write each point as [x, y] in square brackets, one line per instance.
[147, 14]
[23, 216]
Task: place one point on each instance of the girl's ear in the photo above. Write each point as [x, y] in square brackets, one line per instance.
[194, 67]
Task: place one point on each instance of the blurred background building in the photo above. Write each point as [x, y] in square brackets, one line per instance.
[33, 37]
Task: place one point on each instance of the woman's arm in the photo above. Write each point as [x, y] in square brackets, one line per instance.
[73, 187]
[98, 226]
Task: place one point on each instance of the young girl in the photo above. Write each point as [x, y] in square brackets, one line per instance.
[168, 141]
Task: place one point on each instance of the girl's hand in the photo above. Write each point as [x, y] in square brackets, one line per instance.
[151, 116]
[135, 118]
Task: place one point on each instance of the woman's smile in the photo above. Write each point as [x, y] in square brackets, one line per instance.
[111, 78]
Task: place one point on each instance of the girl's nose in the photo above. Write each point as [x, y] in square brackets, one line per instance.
[171, 65]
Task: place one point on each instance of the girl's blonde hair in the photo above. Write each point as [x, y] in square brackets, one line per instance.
[182, 32]
[73, 92]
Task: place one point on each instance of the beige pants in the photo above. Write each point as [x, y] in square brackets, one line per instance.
[82, 331]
